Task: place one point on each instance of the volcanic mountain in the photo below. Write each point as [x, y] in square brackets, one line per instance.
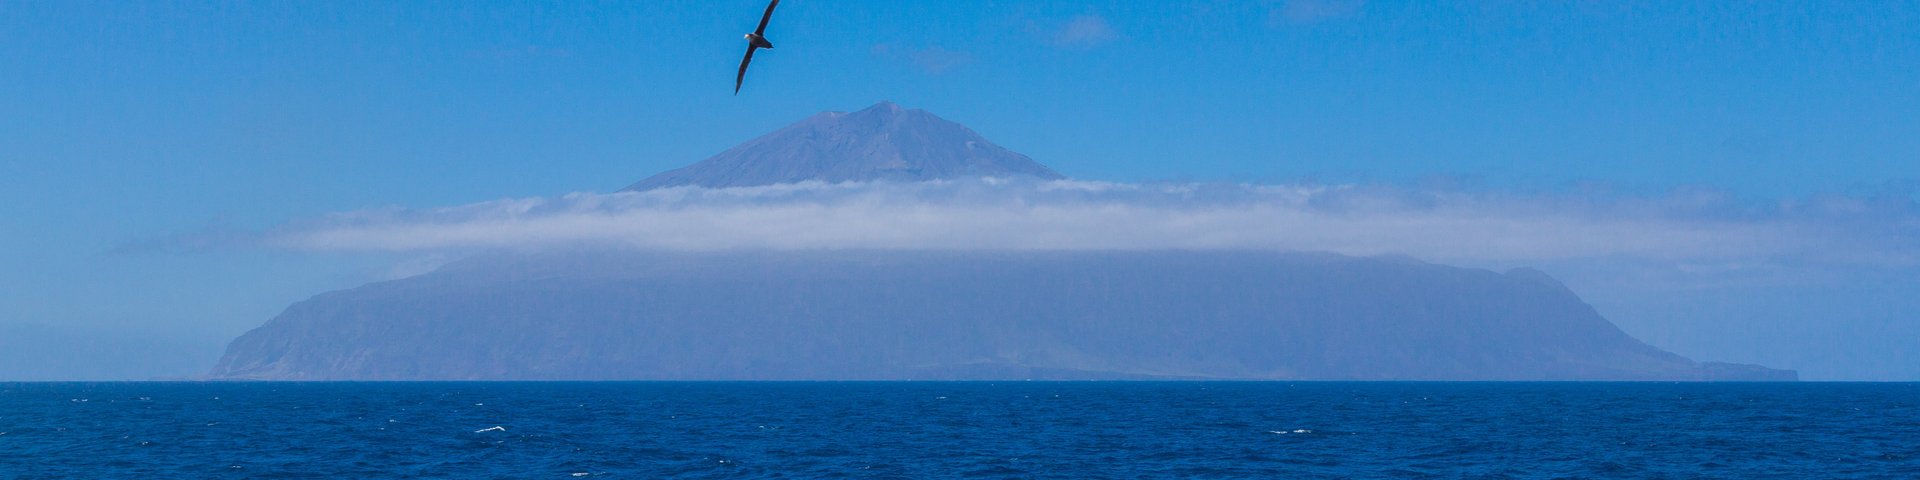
[621, 314]
[882, 142]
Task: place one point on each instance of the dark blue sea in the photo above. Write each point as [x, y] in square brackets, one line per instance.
[959, 430]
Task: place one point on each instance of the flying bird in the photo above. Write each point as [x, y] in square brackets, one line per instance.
[755, 41]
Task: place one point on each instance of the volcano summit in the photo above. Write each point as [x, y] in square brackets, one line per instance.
[882, 142]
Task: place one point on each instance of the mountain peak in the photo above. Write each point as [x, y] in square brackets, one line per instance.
[881, 142]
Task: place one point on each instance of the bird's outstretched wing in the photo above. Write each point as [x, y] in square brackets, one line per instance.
[764, 18]
[742, 78]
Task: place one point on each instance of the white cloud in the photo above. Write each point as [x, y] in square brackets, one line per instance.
[938, 60]
[1084, 31]
[1694, 229]
[1315, 11]
[933, 60]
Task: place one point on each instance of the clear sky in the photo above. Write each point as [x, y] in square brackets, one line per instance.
[129, 122]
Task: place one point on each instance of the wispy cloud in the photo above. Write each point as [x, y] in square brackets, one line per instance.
[1315, 11]
[1695, 229]
[932, 60]
[1083, 31]
[521, 52]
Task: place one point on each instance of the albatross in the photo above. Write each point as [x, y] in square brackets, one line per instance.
[755, 41]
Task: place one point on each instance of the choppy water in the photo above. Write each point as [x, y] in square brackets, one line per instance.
[959, 430]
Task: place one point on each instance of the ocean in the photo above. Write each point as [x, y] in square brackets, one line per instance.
[960, 430]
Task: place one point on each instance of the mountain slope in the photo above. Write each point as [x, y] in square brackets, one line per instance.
[954, 315]
[882, 142]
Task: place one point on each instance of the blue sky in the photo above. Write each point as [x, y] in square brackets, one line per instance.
[129, 123]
